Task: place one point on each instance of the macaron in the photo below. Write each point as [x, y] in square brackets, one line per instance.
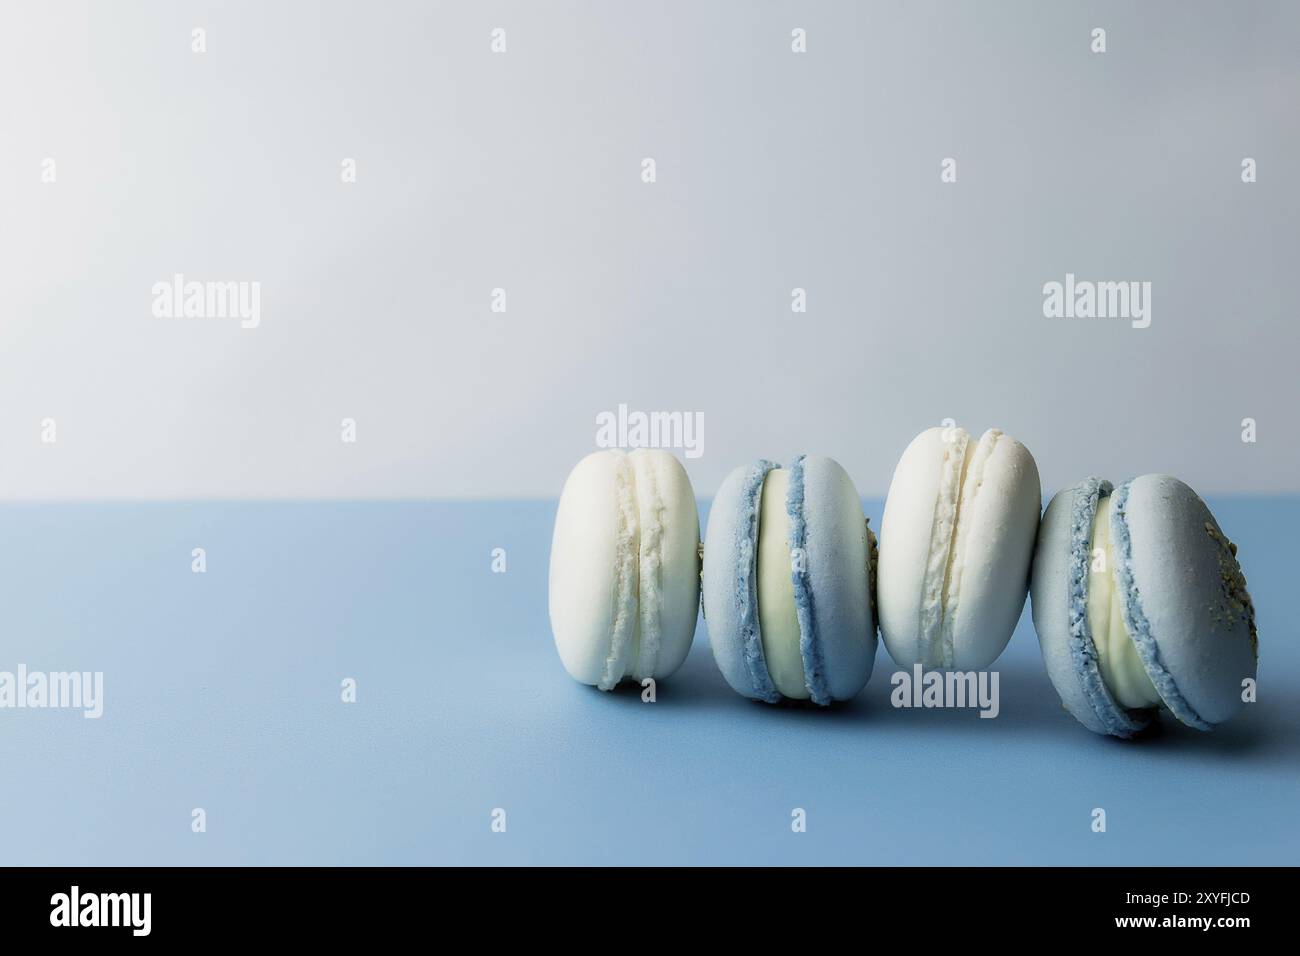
[1140, 605]
[956, 542]
[625, 567]
[786, 584]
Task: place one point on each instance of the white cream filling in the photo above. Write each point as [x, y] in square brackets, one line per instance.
[1117, 655]
[972, 479]
[626, 619]
[943, 529]
[778, 621]
[650, 596]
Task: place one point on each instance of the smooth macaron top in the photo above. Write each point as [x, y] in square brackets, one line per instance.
[956, 543]
[1180, 596]
[624, 573]
[820, 638]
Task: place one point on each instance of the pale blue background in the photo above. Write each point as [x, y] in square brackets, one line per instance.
[222, 691]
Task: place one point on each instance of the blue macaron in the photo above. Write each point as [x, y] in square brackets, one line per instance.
[786, 582]
[1140, 605]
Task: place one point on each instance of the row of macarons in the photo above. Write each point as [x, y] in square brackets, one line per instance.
[1137, 596]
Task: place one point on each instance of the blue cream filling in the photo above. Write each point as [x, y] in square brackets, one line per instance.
[1135, 619]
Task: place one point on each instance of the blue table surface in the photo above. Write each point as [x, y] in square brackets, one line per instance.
[222, 691]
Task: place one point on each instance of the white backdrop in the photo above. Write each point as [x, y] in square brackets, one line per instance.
[522, 170]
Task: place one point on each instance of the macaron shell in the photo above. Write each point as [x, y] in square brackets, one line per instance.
[730, 587]
[1185, 601]
[593, 567]
[995, 483]
[905, 532]
[1058, 591]
[997, 528]
[835, 600]
[669, 571]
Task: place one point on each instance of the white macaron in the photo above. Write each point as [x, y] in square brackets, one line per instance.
[625, 567]
[956, 543]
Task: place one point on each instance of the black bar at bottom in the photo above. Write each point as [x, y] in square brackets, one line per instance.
[539, 906]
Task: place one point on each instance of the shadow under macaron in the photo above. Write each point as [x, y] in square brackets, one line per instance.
[1027, 707]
